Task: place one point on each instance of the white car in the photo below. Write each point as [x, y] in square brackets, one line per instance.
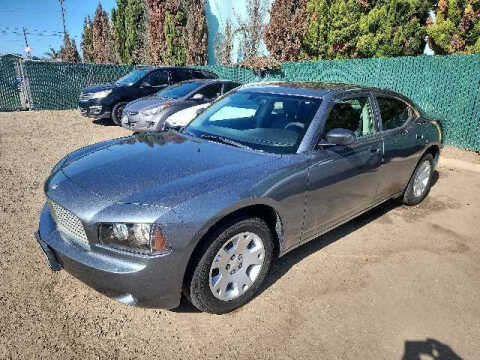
[183, 117]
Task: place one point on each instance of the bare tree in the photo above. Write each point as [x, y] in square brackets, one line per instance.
[252, 28]
[224, 46]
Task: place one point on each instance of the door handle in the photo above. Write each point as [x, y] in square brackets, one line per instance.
[419, 137]
[375, 150]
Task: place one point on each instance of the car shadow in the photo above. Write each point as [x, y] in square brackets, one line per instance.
[104, 122]
[282, 265]
[428, 349]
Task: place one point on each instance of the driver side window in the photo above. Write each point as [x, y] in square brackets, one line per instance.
[354, 114]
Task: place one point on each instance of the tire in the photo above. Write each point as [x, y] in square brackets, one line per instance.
[415, 193]
[205, 272]
[117, 111]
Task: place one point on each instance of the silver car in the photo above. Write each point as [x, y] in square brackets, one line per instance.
[150, 113]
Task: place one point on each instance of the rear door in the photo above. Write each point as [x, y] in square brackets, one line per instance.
[402, 145]
[343, 180]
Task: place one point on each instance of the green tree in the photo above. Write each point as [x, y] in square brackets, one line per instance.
[87, 41]
[315, 43]
[118, 29]
[344, 16]
[175, 53]
[457, 27]
[393, 28]
[128, 24]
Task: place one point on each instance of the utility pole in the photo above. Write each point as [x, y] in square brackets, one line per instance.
[28, 49]
[63, 20]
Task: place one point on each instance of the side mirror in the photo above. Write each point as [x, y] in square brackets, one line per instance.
[340, 137]
[198, 97]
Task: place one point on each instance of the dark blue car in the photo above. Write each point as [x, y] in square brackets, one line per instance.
[206, 210]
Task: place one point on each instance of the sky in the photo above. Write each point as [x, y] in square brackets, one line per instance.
[42, 20]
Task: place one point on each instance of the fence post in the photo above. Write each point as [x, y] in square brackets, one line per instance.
[24, 91]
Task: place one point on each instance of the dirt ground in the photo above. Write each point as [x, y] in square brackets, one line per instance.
[393, 284]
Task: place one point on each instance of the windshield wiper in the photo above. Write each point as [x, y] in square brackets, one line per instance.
[223, 140]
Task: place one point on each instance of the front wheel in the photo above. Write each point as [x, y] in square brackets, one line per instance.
[421, 181]
[232, 267]
[117, 112]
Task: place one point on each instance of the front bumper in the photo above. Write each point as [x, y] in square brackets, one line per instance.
[137, 122]
[145, 281]
[94, 110]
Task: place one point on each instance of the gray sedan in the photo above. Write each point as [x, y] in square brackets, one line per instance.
[150, 113]
[204, 212]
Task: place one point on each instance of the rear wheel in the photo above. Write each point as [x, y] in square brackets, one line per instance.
[421, 181]
[117, 112]
[232, 266]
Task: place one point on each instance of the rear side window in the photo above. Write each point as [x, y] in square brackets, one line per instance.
[211, 91]
[157, 78]
[201, 75]
[229, 86]
[394, 112]
[182, 75]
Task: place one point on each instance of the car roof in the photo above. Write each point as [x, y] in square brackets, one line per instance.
[207, 81]
[166, 67]
[311, 89]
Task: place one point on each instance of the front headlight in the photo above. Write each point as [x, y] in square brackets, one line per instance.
[139, 238]
[101, 94]
[154, 111]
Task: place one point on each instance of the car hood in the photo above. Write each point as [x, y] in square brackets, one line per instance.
[97, 88]
[147, 103]
[160, 169]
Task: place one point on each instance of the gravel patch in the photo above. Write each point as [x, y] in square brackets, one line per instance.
[378, 287]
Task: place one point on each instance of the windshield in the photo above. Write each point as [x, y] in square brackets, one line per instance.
[267, 122]
[179, 90]
[132, 77]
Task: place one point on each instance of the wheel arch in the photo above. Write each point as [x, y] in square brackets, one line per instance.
[267, 212]
[433, 149]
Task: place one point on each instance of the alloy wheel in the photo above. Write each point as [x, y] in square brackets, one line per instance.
[236, 266]
[422, 178]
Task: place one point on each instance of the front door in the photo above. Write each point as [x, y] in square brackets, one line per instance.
[343, 179]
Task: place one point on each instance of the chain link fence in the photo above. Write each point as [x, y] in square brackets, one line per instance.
[447, 88]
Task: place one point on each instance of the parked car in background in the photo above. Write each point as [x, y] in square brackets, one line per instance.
[108, 101]
[150, 113]
[183, 117]
[206, 210]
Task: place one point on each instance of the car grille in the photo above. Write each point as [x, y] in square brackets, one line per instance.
[69, 224]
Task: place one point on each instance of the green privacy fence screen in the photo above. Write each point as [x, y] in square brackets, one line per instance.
[56, 86]
[445, 87]
[9, 84]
